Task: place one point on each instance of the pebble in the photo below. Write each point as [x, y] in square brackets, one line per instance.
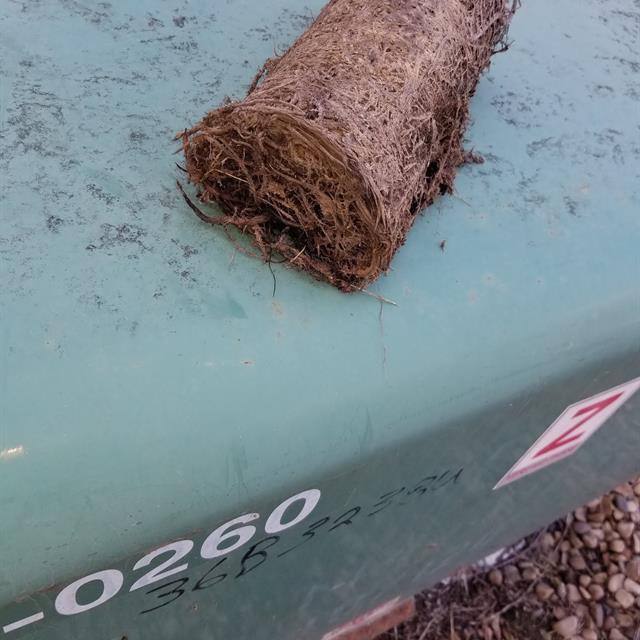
[589, 634]
[581, 527]
[547, 541]
[511, 574]
[577, 562]
[586, 595]
[617, 546]
[633, 569]
[544, 591]
[573, 595]
[598, 615]
[495, 577]
[582, 611]
[616, 634]
[584, 580]
[626, 529]
[636, 544]
[620, 503]
[596, 591]
[567, 627]
[632, 587]
[575, 541]
[580, 514]
[607, 506]
[601, 577]
[590, 541]
[529, 574]
[624, 598]
[624, 489]
[559, 613]
[615, 582]
[636, 488]
[624, 620]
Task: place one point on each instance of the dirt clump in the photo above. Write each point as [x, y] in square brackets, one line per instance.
[342, 140]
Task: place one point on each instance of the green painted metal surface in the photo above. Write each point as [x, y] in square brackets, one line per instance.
[152, 387]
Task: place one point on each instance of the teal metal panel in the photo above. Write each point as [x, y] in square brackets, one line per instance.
[153, 388]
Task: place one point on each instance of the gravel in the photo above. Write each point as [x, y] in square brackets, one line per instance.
[577, 579]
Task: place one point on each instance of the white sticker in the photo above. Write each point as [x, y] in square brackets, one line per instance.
[575, 425]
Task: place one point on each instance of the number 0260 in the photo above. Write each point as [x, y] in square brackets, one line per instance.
[221, 541]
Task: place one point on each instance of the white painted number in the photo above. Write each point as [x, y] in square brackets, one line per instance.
[225, 539]
[178, 550]
[211, 546]
[67, 601]
[310, 499]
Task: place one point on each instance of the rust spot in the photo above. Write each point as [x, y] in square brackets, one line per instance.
[375, 622]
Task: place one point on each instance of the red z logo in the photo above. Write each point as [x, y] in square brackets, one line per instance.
[570, 430]
[566, 437]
